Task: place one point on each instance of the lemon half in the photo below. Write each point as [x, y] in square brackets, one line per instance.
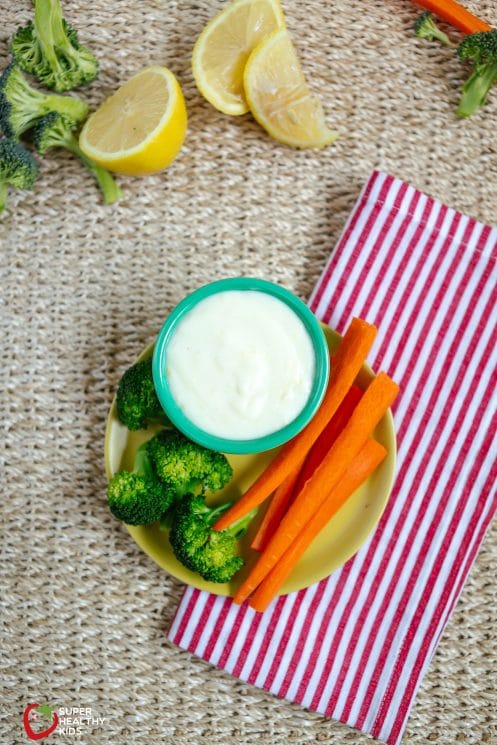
[223, 47]
[279, 97]
[140, 128]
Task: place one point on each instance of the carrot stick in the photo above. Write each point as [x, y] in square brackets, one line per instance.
[453, 13]
[374, 403]
[293, 483]
[347, 362]
[277, 508]
[328, 436]
[360, 468]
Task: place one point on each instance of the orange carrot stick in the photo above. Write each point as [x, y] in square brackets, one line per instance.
[347, 362]
[328, 436]
[277, 508]
[363, 465]
[381, 392]
[293, 483]
[454, 13]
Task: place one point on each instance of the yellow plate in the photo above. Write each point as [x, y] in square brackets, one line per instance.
[342, 537]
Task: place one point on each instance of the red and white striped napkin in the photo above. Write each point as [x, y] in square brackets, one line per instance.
[356, 645]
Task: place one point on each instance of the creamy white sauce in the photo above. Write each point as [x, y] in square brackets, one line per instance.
[240, 364]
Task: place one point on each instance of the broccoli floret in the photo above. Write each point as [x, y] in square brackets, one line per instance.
[18, 168]
[49, 49]
[197, 546]
[139, 497]
[186, 465]
[136, 400]
[481, 50]
[56, 130]
[21, 105]
[426, 28]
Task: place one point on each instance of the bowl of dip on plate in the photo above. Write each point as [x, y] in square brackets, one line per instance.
[241, 365]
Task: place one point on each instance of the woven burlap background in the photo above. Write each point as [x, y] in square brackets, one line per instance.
[85, 287]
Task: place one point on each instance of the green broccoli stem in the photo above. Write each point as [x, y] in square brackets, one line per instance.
[70, 106]
[108, 185]
[142, 464]
[49, 29]
[166, 520]
[426, 28]
[442, 37]
[42, 103]
[161, 419]
[61, 41]
[4, 190]
[238, 528]
[475, 90]
[215, 512]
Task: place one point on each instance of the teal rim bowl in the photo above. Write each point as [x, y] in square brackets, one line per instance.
[273, 439]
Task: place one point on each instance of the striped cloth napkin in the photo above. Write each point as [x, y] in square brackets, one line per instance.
[356, 645]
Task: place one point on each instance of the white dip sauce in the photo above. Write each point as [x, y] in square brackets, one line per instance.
[240, 364]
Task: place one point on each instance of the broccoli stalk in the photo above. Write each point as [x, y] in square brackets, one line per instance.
[55, 130]
[49, 49]
[210, 553]
[187, 466]
[18, 168]
[426, 28]
[136, 400]
[21, 105]
[138, 497]
[481, 50]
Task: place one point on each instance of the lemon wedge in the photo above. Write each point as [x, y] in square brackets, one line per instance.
[223, 47]
[140, 128]
[279, 97]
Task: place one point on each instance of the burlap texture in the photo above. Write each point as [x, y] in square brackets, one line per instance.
[85, 287]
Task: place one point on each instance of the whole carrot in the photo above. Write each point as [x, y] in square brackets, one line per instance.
[347, 362]
[379, 395]
[455, 14]
[360, 468]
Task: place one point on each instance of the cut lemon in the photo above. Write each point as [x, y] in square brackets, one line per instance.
[140, 128]
[223, 47]
[279, 97]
